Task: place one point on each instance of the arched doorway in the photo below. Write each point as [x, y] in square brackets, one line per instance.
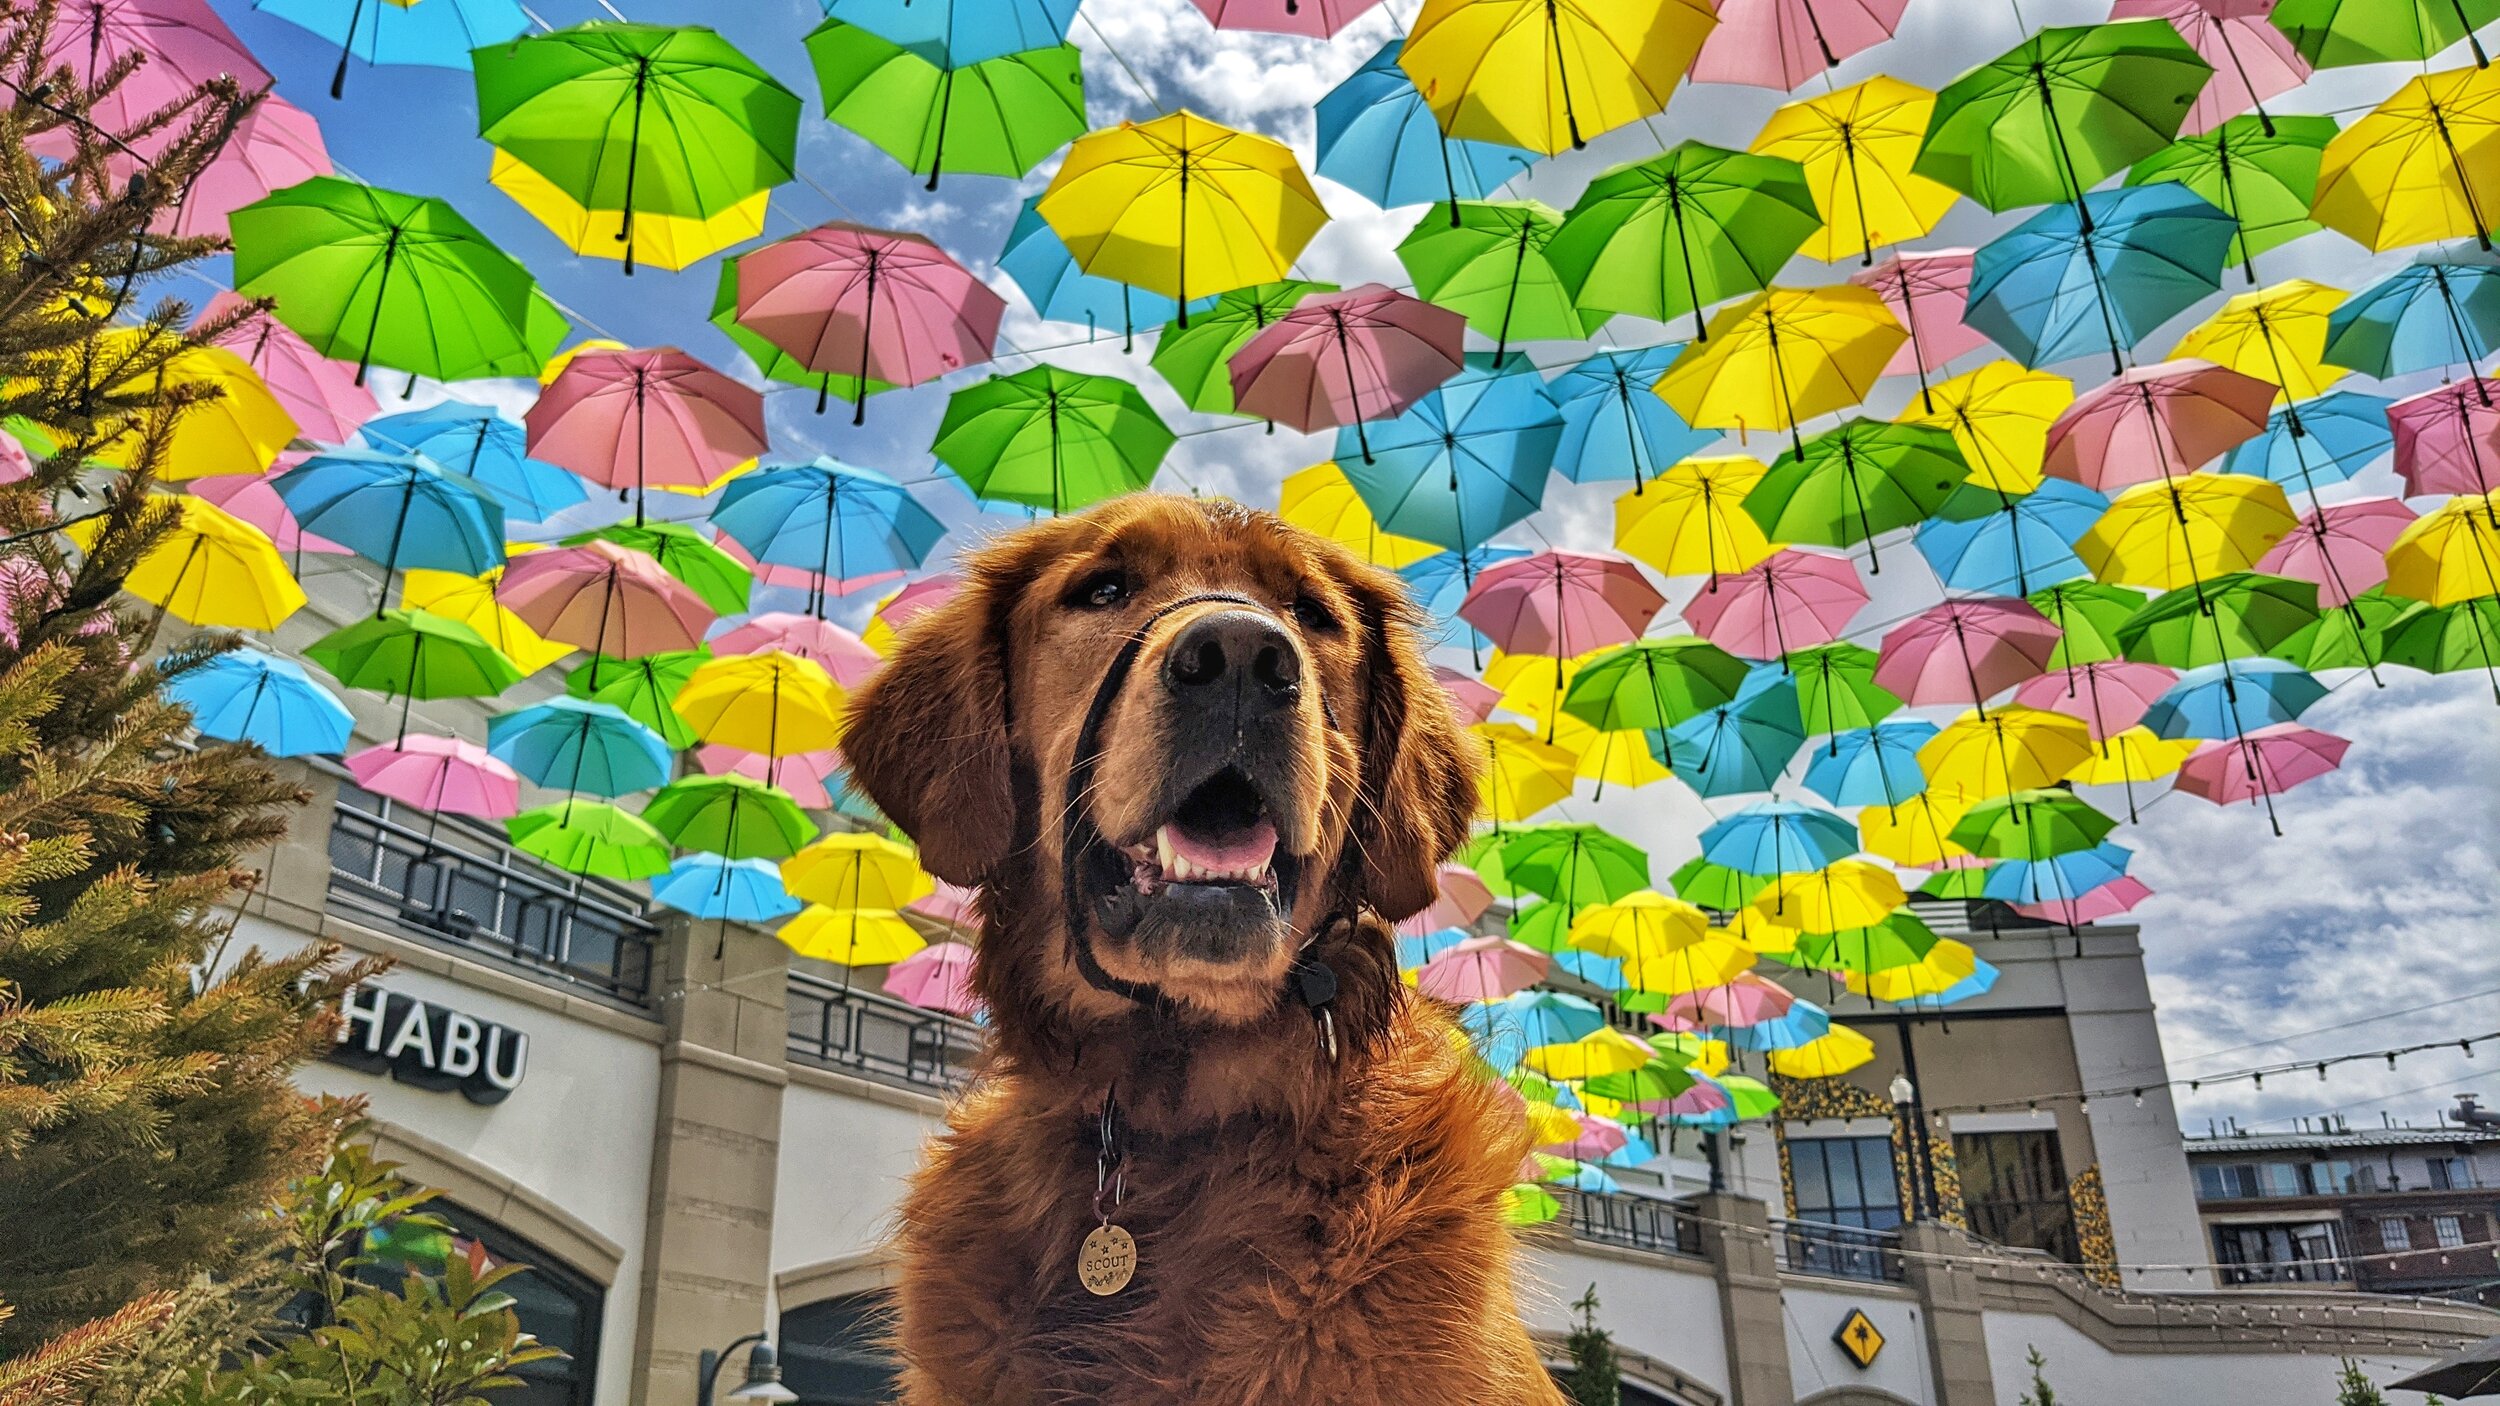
[833, 1351]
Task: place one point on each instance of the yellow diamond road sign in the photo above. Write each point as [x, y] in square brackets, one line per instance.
[1858, 1338]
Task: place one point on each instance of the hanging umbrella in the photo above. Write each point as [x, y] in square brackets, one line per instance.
[1666, 945]
[2233, 699]
[1051, 438]
[1039, 262]
[2062, 112]
[829, 518]
[2317, 442]
[665, 241]
[1778, 837]
[1741, 745]
[1682, 231]
[1691, 521]
[2448, 555]
[209, 568]
[2193, 528]
[857, 870]
[471, 601]
[1844, 896]
[2131, 755]
[1790, 600]
[1913, 833]
[2087, 615]
[165, 48]
[1836, 688]
[960, 33]
[591, 838]
[249, 498]
[1197, 360]
[2261, 765]
[2108, 901]
[2341, 547]
[410, 655]
[392, 280]
[1608, 65]
[605, 599]
[244, 695]
[851, 937]
[938, 977]
[1985, 540]
[641, 688]
[1002, 116]
[687, 553]
[484, 448]
[1464, 462]
[2448, 438]
[1653, 683]
[2422, 165]
[716, 887]
[1613, 427]
[2438, 312]
[2275, 334]
[1782, 43]
[1368, 353]
[1782, 357]
[2339, 33]
[1828, 1058]
[1849, 484]
[1123, 199]
[444, 775]
[772, 362]
[1998, 753]
[232, 424]
[1488, 262]
[2353, 637]
[395, 509]
[1608, 1051]
[583, 747]
[1926, 293]
[2110, 695]
[2032, 826]
[1320, 500]
[1965, 651]
[1482, 969]
[1522, 775]
[1856, 147]
[772, 703]
[1575, 865]
[1561, 603]
[729, 815]
[1743, 1001]
[867, 305]
[1440, 581]
[2098, 273]
[2443, 639]
[2262, 172]
[646, 419]
[1803, 1024]
[1999, 416]
[1460, 899]
[1871, 766]
[1715, 885]
[319, 395]
[1378, 138]
[274, 145]
[438, 35]
[2252, 61]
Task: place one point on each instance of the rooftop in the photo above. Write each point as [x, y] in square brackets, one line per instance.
[2323, 1139]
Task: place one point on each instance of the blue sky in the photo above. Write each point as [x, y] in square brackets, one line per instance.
[2381, 897]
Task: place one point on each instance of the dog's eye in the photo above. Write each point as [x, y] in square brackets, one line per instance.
[1313, 616]
[1101, 591]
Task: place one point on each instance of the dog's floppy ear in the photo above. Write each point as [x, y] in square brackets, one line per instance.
[1419, 765]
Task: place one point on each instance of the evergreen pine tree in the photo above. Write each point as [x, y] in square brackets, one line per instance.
[2353, 1386]
[2041, 1393]
[1596, 1376]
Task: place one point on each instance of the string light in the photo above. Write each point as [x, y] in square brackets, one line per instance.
[2255, 1076]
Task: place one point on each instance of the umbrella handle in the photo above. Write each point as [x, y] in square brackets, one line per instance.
[347, 45]
[633, 162]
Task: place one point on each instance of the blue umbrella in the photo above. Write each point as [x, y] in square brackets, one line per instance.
[244, 695]
[396, 509]
[1802, 1023]
[1498, 1043]
[1439, 584]
[2059, 878]
[959, 33]
[490, 450]
[1378, 138]
[436, 34]
[1779, 837]
[2054, 287]
[1982, 980]
[2233, 699]
[848, 801]
[1724, 1116]
[1871, 766]
[1604, 973]
[716, 886]
[1464, 462]
[1547, 1017]
[2440, 313]
[1741, 745]
[581, 746]
[1615, 425]
[1413, 952]
[1039, 261]
[1586, 1177]
[1635, 1152]
[830, 518]
[2320, 441]
[1982, 539]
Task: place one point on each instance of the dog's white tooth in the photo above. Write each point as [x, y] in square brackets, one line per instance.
[1182, 869]
[1163, 848]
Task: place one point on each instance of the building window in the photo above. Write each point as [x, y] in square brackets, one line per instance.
[2331, 1178]
[2014, 1188]
[557, 1304]
[2451, 1174]
[2449, 1231]
[835, 1353]
[1845, 1181]
[2393, 1234]
[2278, 1254]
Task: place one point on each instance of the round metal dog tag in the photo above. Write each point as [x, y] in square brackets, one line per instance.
[1108, 1261]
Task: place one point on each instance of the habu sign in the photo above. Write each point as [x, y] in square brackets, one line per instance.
[430, 1046]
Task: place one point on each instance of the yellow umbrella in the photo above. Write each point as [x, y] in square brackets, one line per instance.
[852, 937]
[556, 364]
[1603, 1051]
[2423, 165]
[1319, 499]
[1914, 833]
[1999, 415]
[1761, 934]
[1620, 758]
[1701, 1054]
[769, 702]
[1601, 1106]
[1691, 520]
[2275, 334]
[2177, 532]
[238, 427]
[1549, 1126]
[1782, 356]
[1666, 945]
[1836, 1052]
[2450, 555]
[1849, 893]
[2006, 749]
[1947, 964]
[666, 241]
[856, 870]
[471, 601]
[1532, 684]
[211, 568]
[1522, 775]
[2131, 756]
[1182, 206]
[1857, 145]
[1547, 74]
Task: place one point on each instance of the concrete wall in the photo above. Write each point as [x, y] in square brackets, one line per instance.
[1665, 1309]
[1815, 1309]
[2085, 1372]
[846, 1147]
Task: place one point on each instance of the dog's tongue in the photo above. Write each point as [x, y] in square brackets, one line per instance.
[1245, 849]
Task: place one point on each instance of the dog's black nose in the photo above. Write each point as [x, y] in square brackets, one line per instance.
[1229, 653]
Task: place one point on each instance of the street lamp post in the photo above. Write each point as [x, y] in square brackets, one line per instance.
[1905, 1108]
[763, 1381]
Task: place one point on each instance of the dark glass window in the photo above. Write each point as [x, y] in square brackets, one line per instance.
[1846, 1181]
[835, 1353]
[557, 1304]
[2014, 1188]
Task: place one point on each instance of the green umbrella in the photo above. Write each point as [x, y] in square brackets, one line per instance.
[772, 361]
[1900, 940]
[1709, 885]
[733, 815]
[590, 837]
[1966, 883]
[1693, 226]
[2062, 112]
[2447, 639]
[1661, 1079]
[412, 654]
[2341, 33]
[2351, 636]
[1836, 689]
[662, 119]
[384, 279]
[1650, 684]
[1000, 117]
[1573, 864]
[686, 554]
[642, 688]
[2232, 616]
[1544, 925]
[1051, 438]
[2087, 615]
[1197, 360]
[1487, 262]
[1482, 854]
[1749, 1098]
[1846, 485]
[2262, 172]
[2031, 826]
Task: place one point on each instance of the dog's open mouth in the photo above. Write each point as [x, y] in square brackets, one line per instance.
[1221, 834]
[1212, 881]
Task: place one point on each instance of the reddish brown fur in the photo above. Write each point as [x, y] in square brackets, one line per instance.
[1310, 1230]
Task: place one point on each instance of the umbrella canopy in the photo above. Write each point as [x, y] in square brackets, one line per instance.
[2275, 334]
[166, 46]
[2098, 273]
[1482, 969]
[2233, 699]
[938, 977]
[1466, 461]
[2420, 166]
[1196, 360]
[1521, 775]
[1857, 146]
[1926, 293]
[1779, 837]
[1838, 1052]
[730, 815]
[665, 241]
[1488, 262]
[1999, 416]
[1782, 43]
[2261, 765]
[716, 887]
[1051, 438]
[441, 774]
[1986, 540]
[2110, 695]
[591, 837]
[2338, 33]
[855, 870]
[1367, 353]
[960, 33]
[2190, 529]
[2434, 638]
[2032, 826]
[438, 36]
[830, 518]
[483, 447]
[1871, 766]
[1608, 65]
[1681, 231]
[771, 702]
[1653, 683]
[1378, 138]
[2000, 752]
[2230, 616]
[411, 655]
[2251, 59]
[395, 509]
[655, 418]
[1573, 864]
[585, 747]
[641, 688]
[1690, 520]
[1000, 117]
[1836, 687]
[687, 553]
[1790, 600]
[867, 305]
[2439, 311]
[2341, 547]
[1613, 428]
[2317, 442]
[851, 937]
[2448, 438]
[244, 695]
[1562, 603]
[2450, 554]
[318, 394]
[2261, 171]
[471, 601]
[1742, 745]
[1850, 484]
[233, 424]
[208, 568]
[1965, 651]
[1784, 356]
[1320, 500]
[1039, 261]
[604, 598]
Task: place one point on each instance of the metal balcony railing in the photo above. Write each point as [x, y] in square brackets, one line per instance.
[1838, 1251]
[1635, 1222]
[863, 1032]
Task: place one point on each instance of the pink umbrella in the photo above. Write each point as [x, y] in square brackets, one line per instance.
[869, 305]
[653, 418]
[2110, 695]
[2252, 60]
[1474, 699]
[1367, 353]
[843, 654]
[179, 45]
[249, 497]
[925, 594]
[276, 145]
[1705, 1096]
[1598, 1137]
[1964, 651]
[2155, 422]
[2108, 901]
[799, 578]
[1782, 43]
[951, 904]
[600, 597]
[1927, 293]
[319, 394]
[17, 466]
[2448, 438]
[2341, 546]
[1483, 969]
[1791, 599]
[1320, 19]
[1460, 901]
[2261, 765]
[802, 774]
[1562, 603]
[1745, 999]
[440, 774]
[938, 977]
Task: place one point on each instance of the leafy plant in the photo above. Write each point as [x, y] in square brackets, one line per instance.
[2041, 1393]
[1596, 1375]
[2353, 1386]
